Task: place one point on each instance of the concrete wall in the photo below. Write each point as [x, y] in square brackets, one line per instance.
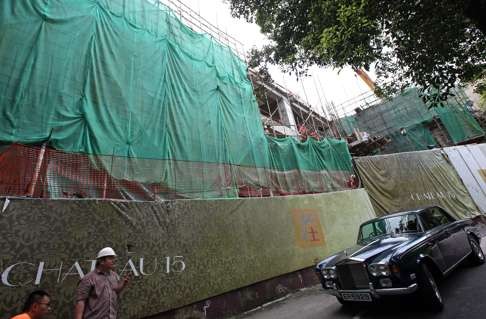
[180, 252]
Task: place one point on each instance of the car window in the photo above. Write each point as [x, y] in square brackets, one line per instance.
[406, 223]
[367, 231]
[381, 227]
[433, 217]
[403, 224]
[446, 215]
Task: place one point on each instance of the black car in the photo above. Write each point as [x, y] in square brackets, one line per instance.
[401, 254]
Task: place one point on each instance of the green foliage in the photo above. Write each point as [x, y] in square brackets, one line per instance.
[432, 44]
[480, 88]
[259, 61]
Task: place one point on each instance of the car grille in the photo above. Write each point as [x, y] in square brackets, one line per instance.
[353, 276]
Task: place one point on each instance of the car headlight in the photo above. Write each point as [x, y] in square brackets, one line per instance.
[386, 283]
[379, 270]
[329, 273]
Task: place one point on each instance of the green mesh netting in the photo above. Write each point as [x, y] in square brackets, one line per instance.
[123, 78]
[418, 138]
[408, 111]
[126, 81]
[460, 124]
[289, 154]
[347, 124]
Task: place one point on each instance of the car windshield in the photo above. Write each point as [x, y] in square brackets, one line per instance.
[385, 226]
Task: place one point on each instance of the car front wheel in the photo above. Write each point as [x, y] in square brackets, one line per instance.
[428, 289]
[477, 255]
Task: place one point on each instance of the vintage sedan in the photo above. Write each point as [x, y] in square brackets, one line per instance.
[401, 254]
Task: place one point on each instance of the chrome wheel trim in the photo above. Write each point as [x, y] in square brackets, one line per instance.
[477, 250]
[434, 287]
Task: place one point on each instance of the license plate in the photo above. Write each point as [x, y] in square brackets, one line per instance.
[356, 296]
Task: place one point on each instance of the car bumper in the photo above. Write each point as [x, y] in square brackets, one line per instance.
[377, 293]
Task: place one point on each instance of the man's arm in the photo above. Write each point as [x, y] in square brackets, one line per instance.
[79, 309]
[82, 294]
[122, 284]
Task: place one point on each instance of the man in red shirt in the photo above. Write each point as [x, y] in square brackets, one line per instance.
[97, 293]
[37, 306]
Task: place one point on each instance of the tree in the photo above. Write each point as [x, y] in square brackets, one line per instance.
[432, 44]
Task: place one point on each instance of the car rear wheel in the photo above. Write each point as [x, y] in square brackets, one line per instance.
[477, 255]
[428, 289]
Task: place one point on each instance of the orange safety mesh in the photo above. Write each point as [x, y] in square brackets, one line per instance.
[68, 175]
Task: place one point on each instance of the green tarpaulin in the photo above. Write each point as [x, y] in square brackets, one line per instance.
[408, 111]
[126, 81]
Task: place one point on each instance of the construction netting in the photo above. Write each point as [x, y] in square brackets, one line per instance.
[125, 88]
[407, 122]
[44, 172]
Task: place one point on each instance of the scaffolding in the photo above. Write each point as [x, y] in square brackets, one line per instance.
[407, 123]
[300, 121]
[199, 24]
[171, 115]
[284, 113]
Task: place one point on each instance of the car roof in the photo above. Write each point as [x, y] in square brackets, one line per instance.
[400, 213]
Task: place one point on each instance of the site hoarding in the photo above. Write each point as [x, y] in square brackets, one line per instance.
[403, 181]
[470, 163]
[178, 252]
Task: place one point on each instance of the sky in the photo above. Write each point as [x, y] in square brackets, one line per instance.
[320, 88]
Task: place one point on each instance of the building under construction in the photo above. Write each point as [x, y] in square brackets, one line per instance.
[405, 123]
[151, 102]
[286, 114]
[368, 123]
[172, 111]
[135, 125]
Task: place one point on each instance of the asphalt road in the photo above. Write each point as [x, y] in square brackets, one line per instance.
[464, 292]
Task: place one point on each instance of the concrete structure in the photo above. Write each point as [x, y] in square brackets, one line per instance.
[285, 113]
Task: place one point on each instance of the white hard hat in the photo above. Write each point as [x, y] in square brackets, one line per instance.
[107, 251]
